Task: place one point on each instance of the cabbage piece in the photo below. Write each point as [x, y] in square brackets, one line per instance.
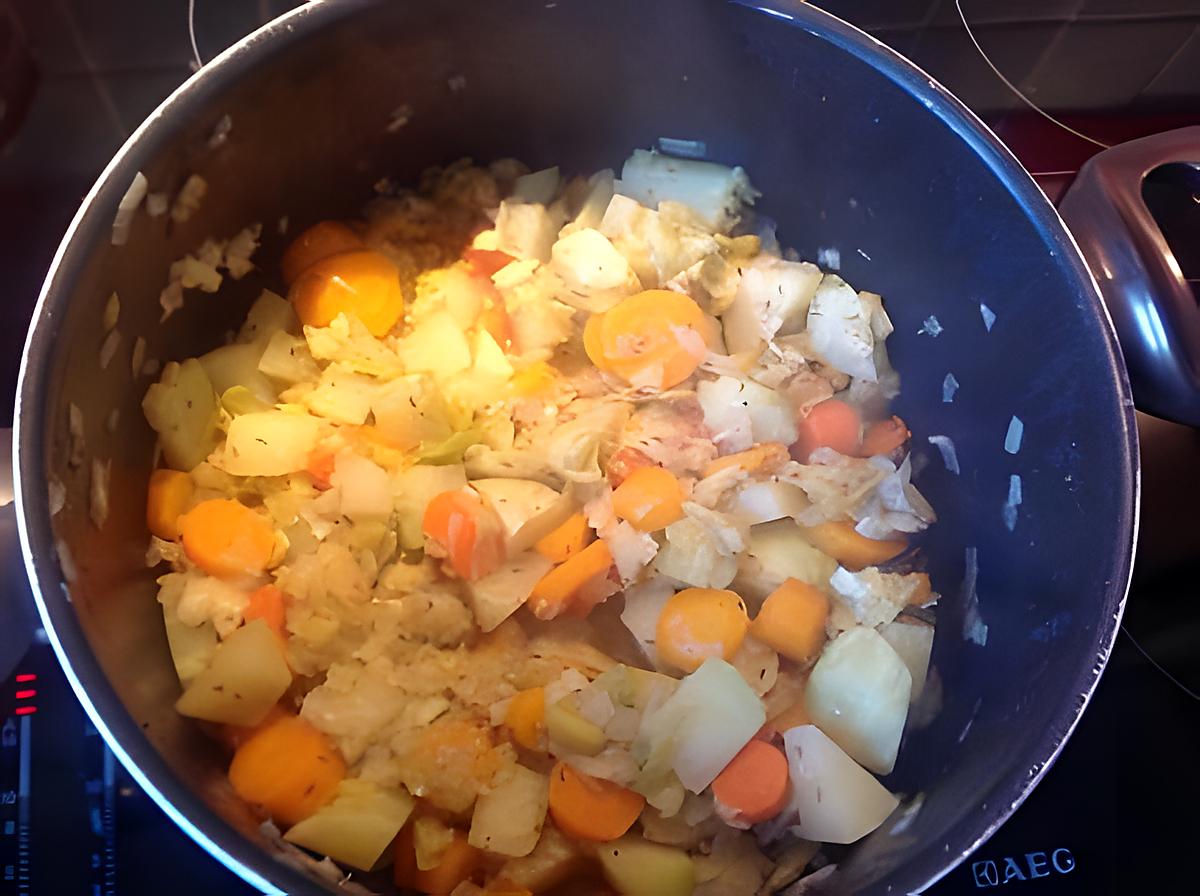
[913, 642]
[342, 395]
[700, 549]
[270, 314]
[508, 818]
[702, 726]
[408, 413]
[287, 359]
[643, 605]
[348, 341]
[840, 329]
[191, 646]
[501, 593]
[871, 597]
[858, 693]
[714, 192]
[182, 408]
[836, 800]
[657, 246]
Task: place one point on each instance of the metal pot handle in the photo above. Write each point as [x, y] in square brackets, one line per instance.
[1152, 306]
[18, 618]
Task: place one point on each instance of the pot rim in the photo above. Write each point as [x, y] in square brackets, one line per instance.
[101, 702]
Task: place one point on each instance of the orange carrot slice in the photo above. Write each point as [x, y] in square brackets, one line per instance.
[851, 549]
[792, 620]
[227, 539]
[323, 239]
[654, 338]
[884, 437]
[168, 495]
[365, 284]
[623, 462]
[289, 768]
[267, 603]
[830, 424]
[649, 499]
[590, 808]
[466, 532]
[525, 717]
[558, 588]
[754, 786]
[699, 623]
[567, 540]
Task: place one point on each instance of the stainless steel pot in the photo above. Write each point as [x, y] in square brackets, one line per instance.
[855, 150]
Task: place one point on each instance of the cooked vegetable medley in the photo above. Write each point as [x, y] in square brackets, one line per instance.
[550, 535]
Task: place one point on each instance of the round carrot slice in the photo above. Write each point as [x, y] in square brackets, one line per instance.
[884, 437]
[654, 338]
[590, 808]
[754, 786]
[468, 533]
[830, 424]
[227, 539]
[365, 284]
[323, 239]
[699, 623]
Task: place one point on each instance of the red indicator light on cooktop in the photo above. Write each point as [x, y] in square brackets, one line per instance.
[21, 679]
[25, 695]
[26, 710]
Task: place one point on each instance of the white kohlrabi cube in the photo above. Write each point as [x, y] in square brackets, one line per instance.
[590, 265]
[502, 592]
[858, 694]
[702, 726]
[839, 326]
[715, 193]
[783, 552]
[724, 414]
[268, 443]
[526, 230]
[772, 299]
[836, 800]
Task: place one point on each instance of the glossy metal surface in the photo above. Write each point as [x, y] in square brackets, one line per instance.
[1140, 278]
[854, 149]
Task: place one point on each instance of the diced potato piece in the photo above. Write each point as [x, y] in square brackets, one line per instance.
[358, 826]
[837, 801]
[839, 326]
[247, 676]
[237, 365]
[287, 360]
[438, 346]
[268, 443]
[365, 487]
[703, 725]
[858, 694]
[501, 593]
[913, 641]
[569, 732]
[342, 395]
[508, 818]
[182, 408]
[527, 230]
[528, 510]
[407, 414]
[637, 867]
[596, 274]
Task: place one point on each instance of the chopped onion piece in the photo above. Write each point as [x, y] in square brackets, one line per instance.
[98, 508]
[126, 208]
[949, 455]
[1012, 438]
[109, 347]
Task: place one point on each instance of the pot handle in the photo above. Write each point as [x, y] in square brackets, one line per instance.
[1151, 303]
[18, 618]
